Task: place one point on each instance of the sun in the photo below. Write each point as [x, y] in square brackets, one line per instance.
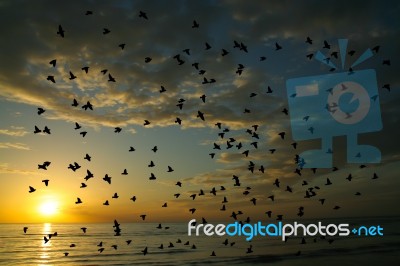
[48, 208]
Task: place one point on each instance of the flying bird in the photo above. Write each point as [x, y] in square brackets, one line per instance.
[60, 31]
[200, 115]
[87, 157]
[51, 78]
[326, 45]
[71, 76]
[88, 105]
[107, 179]
[75, 103]
[37, 130]
[195, 24]
[143, 15]
[111, 78]
[41, 110]
[53, 62]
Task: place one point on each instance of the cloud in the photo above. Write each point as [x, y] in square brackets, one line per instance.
[14, 131]
[5, 169]
[18, 146]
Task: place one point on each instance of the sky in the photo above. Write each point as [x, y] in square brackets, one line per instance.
[237, 101]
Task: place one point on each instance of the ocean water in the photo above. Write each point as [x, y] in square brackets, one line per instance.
[17, 248]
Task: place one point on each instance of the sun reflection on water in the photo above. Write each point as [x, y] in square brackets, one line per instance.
[45, 247]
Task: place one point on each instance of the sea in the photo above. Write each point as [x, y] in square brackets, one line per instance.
[19, 248]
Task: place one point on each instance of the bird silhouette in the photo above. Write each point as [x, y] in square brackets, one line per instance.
[143, 15]
[111, 78]
[40, 111]
[72, 76]
[46, 130]
[195, 24]
[53, 62]
[277, 47]
[51, 78]
[224, 52]
[276, 183]
[87, 157]
[144, 251]
[107, 179]
[78, 201]
[376, 49]
[86, 69]
[75, 103]
[308, 40]
[60, 31]
[88, 105]
[44, 165]
[46, 182]
[200, 115]
[106, 31]
[326, 45]
[37, 130]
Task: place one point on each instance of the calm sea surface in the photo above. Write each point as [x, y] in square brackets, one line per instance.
[17, 248]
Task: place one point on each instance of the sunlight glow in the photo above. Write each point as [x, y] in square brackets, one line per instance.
[48, 208]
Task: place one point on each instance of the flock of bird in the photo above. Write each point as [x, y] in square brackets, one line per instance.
[226, 142]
